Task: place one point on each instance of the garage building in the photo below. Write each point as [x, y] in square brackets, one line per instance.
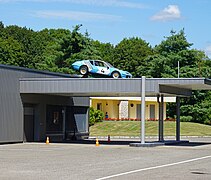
[33, 117]
[37, 104]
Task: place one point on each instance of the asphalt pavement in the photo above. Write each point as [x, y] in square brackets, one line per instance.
[114, 160]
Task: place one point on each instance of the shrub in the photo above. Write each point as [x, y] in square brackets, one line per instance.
[207, 122]
[95, 116]
[91, 116]
[186, 118]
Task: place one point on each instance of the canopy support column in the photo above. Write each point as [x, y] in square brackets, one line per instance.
[143, 109]
[161, 107]
[178, 119]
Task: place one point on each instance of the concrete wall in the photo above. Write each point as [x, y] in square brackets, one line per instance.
[112, 107]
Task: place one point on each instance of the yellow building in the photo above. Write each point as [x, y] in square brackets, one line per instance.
[128, 107]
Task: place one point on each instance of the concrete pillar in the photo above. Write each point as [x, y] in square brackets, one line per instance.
[178, 119]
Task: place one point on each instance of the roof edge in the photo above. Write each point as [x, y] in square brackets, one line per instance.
[17, 68]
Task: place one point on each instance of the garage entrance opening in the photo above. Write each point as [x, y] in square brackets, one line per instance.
[65, 122]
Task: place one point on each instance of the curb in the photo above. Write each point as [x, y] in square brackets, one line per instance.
[147, 137]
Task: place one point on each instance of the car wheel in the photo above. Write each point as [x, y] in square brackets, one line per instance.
[83, 70]
[115, 75]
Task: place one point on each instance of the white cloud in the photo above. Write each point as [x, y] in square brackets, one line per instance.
[172, 12]
[76, 15]
[208, 50]
[115, 3]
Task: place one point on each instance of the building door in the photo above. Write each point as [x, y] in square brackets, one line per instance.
[138, 111]
[28, 124]
[152, 111]
[54, 119]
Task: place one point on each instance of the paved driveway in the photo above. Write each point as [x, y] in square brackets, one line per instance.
[117, 161]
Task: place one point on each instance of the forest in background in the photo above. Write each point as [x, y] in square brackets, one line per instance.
[56, 49]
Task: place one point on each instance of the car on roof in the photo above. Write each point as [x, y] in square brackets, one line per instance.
[98, 67]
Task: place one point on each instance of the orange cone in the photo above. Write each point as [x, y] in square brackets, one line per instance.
[97, 142]
[47, 140]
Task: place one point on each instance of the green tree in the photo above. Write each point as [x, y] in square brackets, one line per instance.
[32, 45]
[159, 66]
[105, 50]
[74, 46]
[11, 52]
[174, 43]
[53, 53]
[130, 55]
[193, 63]
[1, 25]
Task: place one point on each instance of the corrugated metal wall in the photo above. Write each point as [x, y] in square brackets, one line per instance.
[104, 86]
[11, 109]
[110, 87]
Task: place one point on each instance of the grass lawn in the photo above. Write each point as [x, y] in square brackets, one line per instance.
[132, 128]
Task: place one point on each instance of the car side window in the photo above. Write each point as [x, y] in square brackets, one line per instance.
[92, 63]
[101, 64]
[96, 63]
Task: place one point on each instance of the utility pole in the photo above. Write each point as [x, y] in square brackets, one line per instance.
[178, 68]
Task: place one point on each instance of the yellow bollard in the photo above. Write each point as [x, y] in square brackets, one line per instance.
[47, 140]
[97, 142]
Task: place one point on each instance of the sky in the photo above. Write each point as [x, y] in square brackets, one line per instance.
[110, 21]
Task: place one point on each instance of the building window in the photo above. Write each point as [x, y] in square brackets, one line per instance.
[99, 106]
[152, 111]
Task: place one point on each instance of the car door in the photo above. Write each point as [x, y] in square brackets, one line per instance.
[102, 68]
[90, 65]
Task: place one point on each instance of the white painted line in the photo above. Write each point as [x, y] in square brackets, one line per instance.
[155, 167]
[36, 150]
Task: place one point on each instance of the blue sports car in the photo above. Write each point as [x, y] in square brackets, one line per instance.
[97, 67]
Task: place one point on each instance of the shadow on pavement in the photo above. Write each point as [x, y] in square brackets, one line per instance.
[103, 142]
[191, 144]
[127, 142]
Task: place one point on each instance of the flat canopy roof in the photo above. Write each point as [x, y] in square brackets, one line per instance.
[96, 87]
